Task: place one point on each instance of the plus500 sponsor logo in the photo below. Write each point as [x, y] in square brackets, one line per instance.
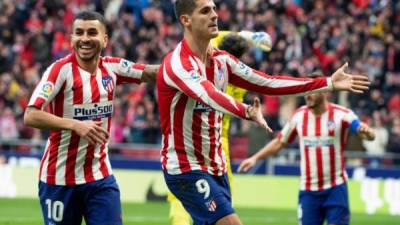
[92, 111]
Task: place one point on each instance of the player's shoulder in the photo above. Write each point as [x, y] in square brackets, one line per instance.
[60, 65]
[300, 111]
[340, 108]
[218, 53]
[110, 59]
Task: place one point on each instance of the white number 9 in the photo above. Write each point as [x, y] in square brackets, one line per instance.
[203, 187]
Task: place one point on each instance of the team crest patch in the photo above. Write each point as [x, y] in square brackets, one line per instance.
[108, 83]
[331, 125]
[47, 89]
[211, 206]
[125, 66]
[194, 75]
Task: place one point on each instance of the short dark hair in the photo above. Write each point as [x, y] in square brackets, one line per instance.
[234, 44]
[184, 7]
[91, 15]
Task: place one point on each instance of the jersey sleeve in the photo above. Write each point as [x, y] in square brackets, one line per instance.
[245, 77]
[352, 121]
[289, 132]
[126, 71]
[189, 81]
[48, 87]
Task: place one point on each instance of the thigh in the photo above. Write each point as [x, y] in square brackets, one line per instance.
[102, 202]
[337, 206]
[207, 198]
[310, 208]
[60, 204]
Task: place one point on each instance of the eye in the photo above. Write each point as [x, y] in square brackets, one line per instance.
[78, 32]
[92, 32]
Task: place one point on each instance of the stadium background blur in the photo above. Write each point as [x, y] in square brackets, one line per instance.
[308, 36]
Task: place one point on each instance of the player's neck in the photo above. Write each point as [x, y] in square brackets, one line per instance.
[88, 66]
[320, 109]
[198, 46]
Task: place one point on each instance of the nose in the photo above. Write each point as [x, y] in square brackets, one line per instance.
[85, 37]
[214, 15]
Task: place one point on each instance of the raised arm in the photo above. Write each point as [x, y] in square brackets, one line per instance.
[245, 77]
[185, 78]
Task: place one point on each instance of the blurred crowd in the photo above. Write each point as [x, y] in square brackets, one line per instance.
[308, 36]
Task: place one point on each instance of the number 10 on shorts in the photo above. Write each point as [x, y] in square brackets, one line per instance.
[55, 210]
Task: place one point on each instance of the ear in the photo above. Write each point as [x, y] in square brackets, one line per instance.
[185, 20]
[105, 40]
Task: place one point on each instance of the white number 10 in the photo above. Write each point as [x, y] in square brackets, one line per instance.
[203, 187]
[55, 210]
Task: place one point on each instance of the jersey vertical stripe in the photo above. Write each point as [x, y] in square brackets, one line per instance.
[322, 140]
[76, 94]
[191, 102]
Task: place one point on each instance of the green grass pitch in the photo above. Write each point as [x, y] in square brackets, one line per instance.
[27, 212]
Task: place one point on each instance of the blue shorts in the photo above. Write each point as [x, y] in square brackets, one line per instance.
[98, 202]
[207, 198]
[331, 204]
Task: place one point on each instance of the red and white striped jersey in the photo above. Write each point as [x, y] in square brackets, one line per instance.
[322, 139]
[192, 102]
[71, 92]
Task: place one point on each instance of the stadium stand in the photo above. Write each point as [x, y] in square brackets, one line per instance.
[307, 36]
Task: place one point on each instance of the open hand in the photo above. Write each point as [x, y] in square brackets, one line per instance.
[343, 81]
[247, 164]
[91, 131]
[255, 114]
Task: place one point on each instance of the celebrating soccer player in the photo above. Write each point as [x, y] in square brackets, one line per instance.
[75, 174]
[322, 128]
[235, 43]
[190, 86]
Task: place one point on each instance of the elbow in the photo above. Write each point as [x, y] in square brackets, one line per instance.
[27, 120]
[28, 117]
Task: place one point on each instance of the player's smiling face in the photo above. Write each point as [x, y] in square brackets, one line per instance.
[88, 39]
[204, 19]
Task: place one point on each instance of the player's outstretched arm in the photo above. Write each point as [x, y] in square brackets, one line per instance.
[365, 132]
[150, 73]
[268, 150]
[342, 81]
[89, 130]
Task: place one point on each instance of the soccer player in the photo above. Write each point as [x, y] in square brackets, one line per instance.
[235, 44]
[190, 86]
[322, 128]
[75, 173]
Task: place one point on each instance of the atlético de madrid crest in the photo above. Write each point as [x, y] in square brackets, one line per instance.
[108, 83]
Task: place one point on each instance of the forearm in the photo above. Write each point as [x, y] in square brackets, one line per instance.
[150, 73]
[368, 135]
[280, 85]
[43, 120]
[270, 149]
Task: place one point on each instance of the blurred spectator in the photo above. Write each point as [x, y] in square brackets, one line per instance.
[307, 36]
[394, 140]
[377, 147]
[8, 127]
[138, 125]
